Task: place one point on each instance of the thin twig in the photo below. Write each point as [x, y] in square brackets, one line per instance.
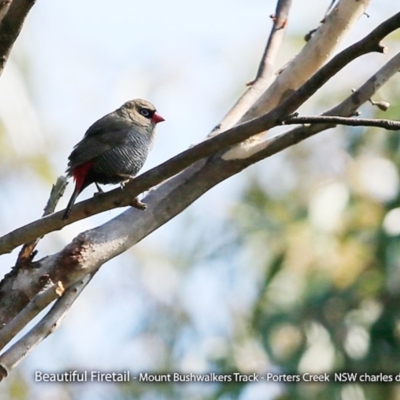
[46, 326]
[265, 69]
[280, 18]
[337, 120]
[57, 191]
[349, 106]
[27, 252]
[316, 53]
[121, 198]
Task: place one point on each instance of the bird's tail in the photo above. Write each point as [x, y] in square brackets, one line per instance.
[80, 174]
[71, 203]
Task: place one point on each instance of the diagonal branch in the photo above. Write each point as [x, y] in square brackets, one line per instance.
[318, 50]
[275, 40]
[122, 198]
[11, 26]
[350, 105]
[28, 252]
[315, 53]
[18, 351]
[40, 301]
[265, 69]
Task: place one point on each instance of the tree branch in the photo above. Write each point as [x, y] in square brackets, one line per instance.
[27, 252]
[41, 300]
[336, 120]
[318, 50]
[18, 351]
[11, 26]
[265, 69]
[350, 105]
[275, 40]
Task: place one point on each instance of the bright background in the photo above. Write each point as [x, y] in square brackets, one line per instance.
[76, 61]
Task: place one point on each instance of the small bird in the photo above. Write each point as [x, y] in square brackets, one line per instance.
[114, 148]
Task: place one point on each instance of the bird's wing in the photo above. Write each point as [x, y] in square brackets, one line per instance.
[108, 132]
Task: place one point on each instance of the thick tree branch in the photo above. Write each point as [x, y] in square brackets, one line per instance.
[122, 198]
[45, 327]
[318, 50]
[34, 307]
[11, 26]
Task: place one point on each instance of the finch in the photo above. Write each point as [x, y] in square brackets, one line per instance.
[114, 148]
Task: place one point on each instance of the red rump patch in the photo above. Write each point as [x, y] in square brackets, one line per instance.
[80, 173]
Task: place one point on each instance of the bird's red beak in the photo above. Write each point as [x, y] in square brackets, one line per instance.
[156, 118]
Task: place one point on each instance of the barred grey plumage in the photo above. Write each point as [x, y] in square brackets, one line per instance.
[114, 148]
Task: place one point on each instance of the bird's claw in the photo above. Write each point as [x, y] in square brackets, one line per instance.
[138, 204]
[128, 178]
[123, 183]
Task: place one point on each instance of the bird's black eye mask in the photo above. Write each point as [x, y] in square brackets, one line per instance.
[147, 113]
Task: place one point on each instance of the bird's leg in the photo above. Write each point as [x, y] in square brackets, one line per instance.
[99, 189]
[136, 202]
[127, 178]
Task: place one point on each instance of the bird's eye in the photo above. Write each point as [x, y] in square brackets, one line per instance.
[145, 112]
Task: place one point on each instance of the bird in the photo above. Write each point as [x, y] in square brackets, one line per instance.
[114, 148]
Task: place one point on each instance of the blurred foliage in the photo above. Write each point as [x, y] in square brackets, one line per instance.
[329, 298]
